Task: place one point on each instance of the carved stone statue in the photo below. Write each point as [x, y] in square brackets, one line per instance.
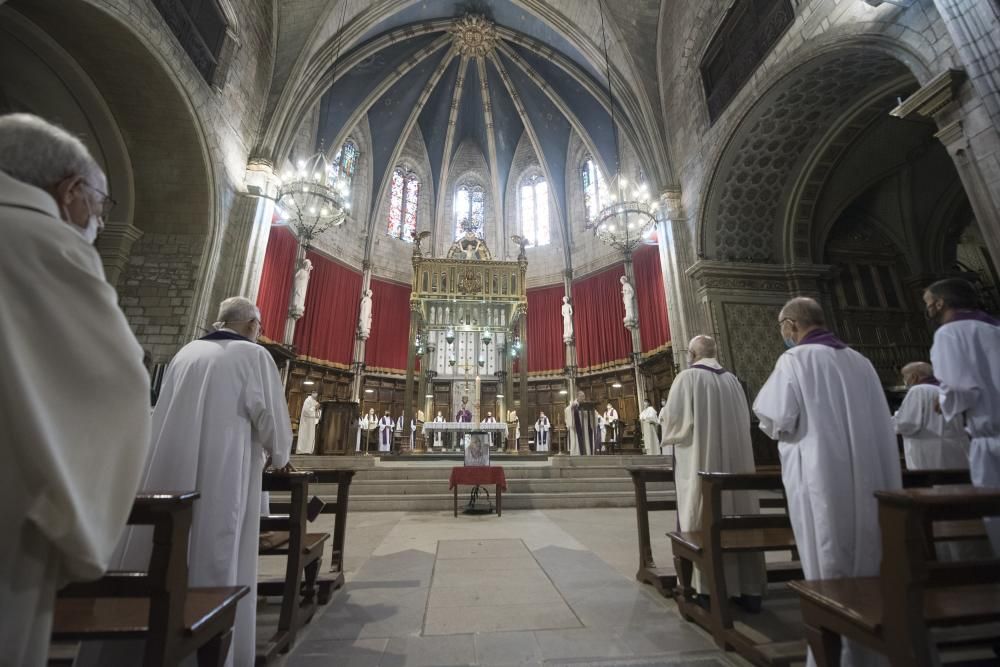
[300, 285]
[567, 315]
[365, 318]
[628, 297]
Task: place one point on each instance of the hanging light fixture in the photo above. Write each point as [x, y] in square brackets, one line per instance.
[628, 216]
[487, 337]
[449, 335]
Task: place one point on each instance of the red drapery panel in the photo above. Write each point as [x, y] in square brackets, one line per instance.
[654, 327]
[388, 343]
[276, 281]
[545, 344]
[598, 312]
[326, 332]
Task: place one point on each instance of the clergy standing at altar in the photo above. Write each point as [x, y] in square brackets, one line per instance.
[308, 419]
[611, 422]
[581, 425]
[439, 419]
[385, 427]
[464, 414]
[542, 428]
[649, 419]
[708, 422]
[490, 419]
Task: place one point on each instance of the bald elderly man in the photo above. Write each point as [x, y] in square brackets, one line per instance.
[825, 406]
[708, 423]
[930, 441]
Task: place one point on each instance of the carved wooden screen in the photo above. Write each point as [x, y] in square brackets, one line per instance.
[747, 33]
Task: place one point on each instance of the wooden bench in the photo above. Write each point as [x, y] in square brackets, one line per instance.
[301, 586]
[894, 612]
[663, 579]
[157, 605]
[719, 535]
[342, 478]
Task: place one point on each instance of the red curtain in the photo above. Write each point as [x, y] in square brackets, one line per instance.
[545, 344]
[276, 281]
[598, 312]
[325, 333]
[388, 343]
[654, 328]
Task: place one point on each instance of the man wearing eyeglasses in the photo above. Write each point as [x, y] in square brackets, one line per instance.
[73, 391]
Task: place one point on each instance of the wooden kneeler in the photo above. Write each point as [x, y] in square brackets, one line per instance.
[664, 580]
[156, 606]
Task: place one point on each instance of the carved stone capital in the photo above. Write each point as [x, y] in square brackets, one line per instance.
[670, 201]
[115, 246]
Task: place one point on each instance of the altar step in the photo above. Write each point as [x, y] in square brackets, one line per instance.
[562, 482]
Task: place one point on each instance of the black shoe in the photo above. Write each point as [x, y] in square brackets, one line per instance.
[751, 604]
[703, 601]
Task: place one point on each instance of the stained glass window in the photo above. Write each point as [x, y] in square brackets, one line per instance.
[404, 198]
[535, 210]
[470, 202]
[345, 162]
[595, 188]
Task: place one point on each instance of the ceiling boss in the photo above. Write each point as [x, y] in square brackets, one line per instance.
[475, 35]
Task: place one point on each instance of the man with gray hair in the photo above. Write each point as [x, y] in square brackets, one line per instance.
[930, 442]
[708, 423]
[220, 414]
[825, 406]
[75, 408]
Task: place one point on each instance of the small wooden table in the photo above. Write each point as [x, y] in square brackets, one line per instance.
[478, 476]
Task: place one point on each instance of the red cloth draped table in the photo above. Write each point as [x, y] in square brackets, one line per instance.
[478, 476]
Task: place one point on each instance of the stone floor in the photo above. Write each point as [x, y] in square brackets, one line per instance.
[534, 587]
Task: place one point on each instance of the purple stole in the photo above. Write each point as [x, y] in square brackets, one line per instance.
[463, 416]
[823, 337]
[931, 380]
[717, 371]
[976, 316]
[385, 435]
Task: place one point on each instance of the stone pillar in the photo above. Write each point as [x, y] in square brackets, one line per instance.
[115, 247]
[409, 400]
[358, 360]
[974, 27]
[522, 325]
[677, 255]
[263, 183]
[640, 379]
[292, 318]
[571, 345]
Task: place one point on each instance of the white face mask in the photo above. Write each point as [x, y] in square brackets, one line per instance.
[89, 233]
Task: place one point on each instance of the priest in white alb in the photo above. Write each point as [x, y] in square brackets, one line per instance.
[75, 408]
[662, 419]
[220, 416]
[385, 427]
[649, 419]
[581, 426]
[825, 406]
[308, 420]
[438, 437]
[611, 424]
[966, 359]
[542, 428]
[708, 423]
[930, 442]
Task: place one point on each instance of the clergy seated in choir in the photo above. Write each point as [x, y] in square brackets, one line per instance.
[825, 406]
[966, 359]
[649, 419]
[438, 437]
[385, 428]
[308, 420]
[220, 415]
[490, 419]
[611, 425]
[708, 423]
[73, 454]
[662, 421]
[542, 428]
[581, 426]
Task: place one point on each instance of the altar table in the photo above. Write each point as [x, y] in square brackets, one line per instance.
[478, 476]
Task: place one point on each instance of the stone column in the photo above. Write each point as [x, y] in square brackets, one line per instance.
[115, 247]
[571, 345]
[640, 379]
[974, 27]
[411, 363]
[677, 255]
[263, 183]
[293, 317]
[358, 360]
[522, 324]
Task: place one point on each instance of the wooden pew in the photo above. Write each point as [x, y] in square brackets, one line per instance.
[719, 535]
[156, 605]
[894, 612]
[303, 550]
[664, 580]
[342, 478]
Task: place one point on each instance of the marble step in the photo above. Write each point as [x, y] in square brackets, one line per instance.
[440, 485]
[512, 472]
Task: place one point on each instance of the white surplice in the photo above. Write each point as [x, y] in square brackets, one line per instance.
[385, 426]
[437, 434]
[649, 420]
[542, 428]
[582, 429]
[930, 442]
[827, 409]
[308, 419]
[708, 423]
[966, 359]
[220, 413]
[662, 419]
[74, 404]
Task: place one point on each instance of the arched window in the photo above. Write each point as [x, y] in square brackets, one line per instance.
[404, 195]
[345, 162]
[595, 188]
[535, 210]
[470, 203]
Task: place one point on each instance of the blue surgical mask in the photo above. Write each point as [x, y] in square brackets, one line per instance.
[789, 343]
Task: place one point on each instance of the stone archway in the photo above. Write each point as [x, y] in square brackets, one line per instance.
[159, 241]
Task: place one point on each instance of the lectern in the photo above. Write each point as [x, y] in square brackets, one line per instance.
[338, 427]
